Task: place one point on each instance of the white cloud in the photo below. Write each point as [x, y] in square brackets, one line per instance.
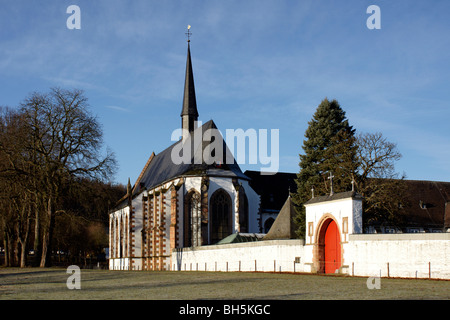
[118, 108]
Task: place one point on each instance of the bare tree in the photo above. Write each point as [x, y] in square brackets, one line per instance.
[67, 142]
[16, 198]
[377, 156]
[378, 181]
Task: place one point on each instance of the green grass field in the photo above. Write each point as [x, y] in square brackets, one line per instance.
[51, 284]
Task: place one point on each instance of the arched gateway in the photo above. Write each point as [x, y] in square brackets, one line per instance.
[328, 248]
[329, 222]
[331, 254]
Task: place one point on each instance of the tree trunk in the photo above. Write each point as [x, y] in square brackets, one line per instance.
[37, 236]
[46, 259]
[24, 240]
[23, 253]
[5, 245]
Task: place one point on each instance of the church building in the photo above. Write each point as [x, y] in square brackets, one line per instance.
[188, 195]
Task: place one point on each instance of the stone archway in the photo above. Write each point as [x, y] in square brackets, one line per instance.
[328, 247]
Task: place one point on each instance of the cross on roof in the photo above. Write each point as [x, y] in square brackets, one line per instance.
[331, 183]
[188, 33]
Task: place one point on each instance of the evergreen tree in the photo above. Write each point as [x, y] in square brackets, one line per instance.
[329, 147]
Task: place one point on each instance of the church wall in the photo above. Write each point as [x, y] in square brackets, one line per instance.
[253, 206]
[252, 197]
[180, 223]
[136, 227]
[167, 220]
[157, 224]
[118, 239]
[216, 183]
[192, 183]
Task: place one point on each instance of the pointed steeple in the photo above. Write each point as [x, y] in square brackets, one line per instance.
[129, 192]
[129, 187]
[189, 113]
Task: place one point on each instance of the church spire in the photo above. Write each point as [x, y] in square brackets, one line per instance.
[189, 113]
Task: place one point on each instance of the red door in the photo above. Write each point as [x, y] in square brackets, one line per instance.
[332, 248]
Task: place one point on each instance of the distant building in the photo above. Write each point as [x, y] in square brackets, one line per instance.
[427, 207]
[274, 190]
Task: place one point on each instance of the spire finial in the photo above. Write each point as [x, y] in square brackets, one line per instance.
[188, 33]
[129, 187]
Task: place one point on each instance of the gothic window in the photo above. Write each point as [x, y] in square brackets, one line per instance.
[243, 211]
[122, 237]
[220, 210]
[192, 219]
[268, 224]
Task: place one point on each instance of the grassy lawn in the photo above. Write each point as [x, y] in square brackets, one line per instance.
[50, 284]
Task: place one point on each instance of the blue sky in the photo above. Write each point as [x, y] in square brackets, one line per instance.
[257, 64]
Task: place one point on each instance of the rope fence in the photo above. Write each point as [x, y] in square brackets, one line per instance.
[385, 269]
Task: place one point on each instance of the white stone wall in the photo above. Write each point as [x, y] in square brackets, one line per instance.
[264, 256]
[400, 255]
[406, 256]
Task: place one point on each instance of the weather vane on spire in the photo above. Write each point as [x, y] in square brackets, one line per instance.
[188, 33]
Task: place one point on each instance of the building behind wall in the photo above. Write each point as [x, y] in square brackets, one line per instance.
[274, 190]
[426, 207]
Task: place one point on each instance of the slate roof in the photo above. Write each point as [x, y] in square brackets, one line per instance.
[189, 100]
[241, 237]
[284, 226]
[429, 203]
[160, 168]
[335, 196]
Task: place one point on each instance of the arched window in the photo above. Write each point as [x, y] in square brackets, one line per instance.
[220, 210]
[268, 224]
[243, 211]
[192, 220]
[119, 237]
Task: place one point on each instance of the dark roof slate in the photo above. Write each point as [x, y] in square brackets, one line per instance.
[429, 203]
[336, 196]
[162, 169]
[189, 99]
